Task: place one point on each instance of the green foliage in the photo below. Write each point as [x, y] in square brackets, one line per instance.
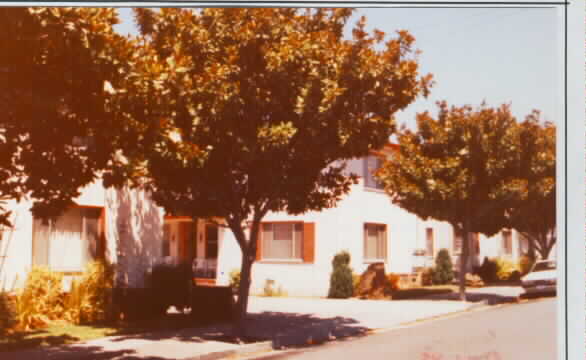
[525, 264]
[488, 270]
[427, 276]
[235, 279]
[170, 285]
[269, 289]
[341, 279]
[71, 55]
[8, 315]
[538, 148]
[355, 283]
[341, 259]
[41, 299]
[90, 298]
[444, 270]
[394, 281]
[505, 269]
[222, 118]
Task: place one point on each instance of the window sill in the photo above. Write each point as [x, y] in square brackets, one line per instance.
[373, 261]
[281, 261]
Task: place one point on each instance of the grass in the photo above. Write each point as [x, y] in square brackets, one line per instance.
[61, 333]
[55, 334]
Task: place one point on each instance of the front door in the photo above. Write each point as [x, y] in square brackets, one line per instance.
[206, 264]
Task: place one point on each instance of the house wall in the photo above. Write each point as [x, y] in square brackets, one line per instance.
[336, 229]
[134, 235]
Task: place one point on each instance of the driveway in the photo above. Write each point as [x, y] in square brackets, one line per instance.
[291, 321]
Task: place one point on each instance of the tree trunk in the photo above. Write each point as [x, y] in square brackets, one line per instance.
[545, 247]
[243, 293]
[248, 256]
[464, 260]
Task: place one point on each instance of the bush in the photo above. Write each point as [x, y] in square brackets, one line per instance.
[444, 269]
[90, 299]
[355, 283]
[8, 316]
[235, 279]
[341, 281]
[505, 269]
[394, 280]
[488, 270]
[170, 285]
[525, 264]
[41, 299]
[427, 276]
[270, 290]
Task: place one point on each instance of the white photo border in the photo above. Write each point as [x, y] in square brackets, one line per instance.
[571, 144]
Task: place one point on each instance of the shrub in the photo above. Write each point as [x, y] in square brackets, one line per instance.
[90, 299]
[341, 259]
[525, 264]
[41, 299]
[235, 279]
[341, 281]
[394, 280]
[355, 283]
[170, 285]
[444, 269]
[270, 290]
[8, 316]
[427, 276]
[488, 270]
[505, 268]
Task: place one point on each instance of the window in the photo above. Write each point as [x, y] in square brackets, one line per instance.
[371, 164]
[211, 249]
[507, 245]
[166, 250]
[282, 241]
[429, 241]
[69, 242]
[375, 242]
[458, 239]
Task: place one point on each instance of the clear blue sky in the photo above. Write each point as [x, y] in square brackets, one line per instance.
[500, 55]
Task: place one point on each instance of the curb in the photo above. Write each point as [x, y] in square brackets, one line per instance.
[243, 350]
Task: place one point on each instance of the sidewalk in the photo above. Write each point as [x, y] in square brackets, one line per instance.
[284, 322]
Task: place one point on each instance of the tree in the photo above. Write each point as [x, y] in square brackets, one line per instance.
[461, 167]
[57, 128]
[535, 215]
[253, 107]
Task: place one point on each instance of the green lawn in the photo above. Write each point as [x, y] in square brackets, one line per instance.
[63, 333]
[56, 334]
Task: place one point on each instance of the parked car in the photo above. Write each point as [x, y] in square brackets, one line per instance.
[541, 278]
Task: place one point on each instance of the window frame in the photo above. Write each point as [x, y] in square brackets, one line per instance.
[83, 237]
[385, 243]
[295, 260]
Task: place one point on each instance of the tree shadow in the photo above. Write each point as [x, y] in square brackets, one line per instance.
[486, 297]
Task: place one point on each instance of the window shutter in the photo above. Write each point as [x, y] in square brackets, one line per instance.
[308, 242]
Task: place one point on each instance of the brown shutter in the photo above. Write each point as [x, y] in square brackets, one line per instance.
[308, 242]
[259, 243]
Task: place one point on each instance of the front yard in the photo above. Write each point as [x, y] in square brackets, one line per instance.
[60, 333]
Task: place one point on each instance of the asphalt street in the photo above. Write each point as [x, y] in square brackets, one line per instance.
[514, 331]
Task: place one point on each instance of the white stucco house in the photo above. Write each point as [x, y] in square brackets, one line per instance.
[295, 252]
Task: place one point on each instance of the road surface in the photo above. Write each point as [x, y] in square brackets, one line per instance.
[509, 332]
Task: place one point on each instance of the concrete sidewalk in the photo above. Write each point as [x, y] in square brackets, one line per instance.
[284, 322]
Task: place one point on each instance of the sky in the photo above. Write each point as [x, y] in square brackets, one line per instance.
[497, 55]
